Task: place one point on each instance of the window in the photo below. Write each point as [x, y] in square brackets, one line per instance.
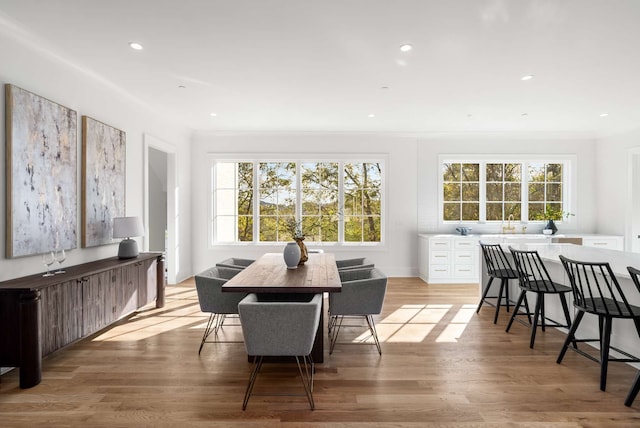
[334, 202]
[461, 187]
[496, 190]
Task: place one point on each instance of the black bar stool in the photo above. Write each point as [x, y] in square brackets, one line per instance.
[497, 267]
[596, 290]
[534, 277]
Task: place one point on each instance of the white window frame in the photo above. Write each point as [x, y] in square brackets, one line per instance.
[569, 180]
[256, 158]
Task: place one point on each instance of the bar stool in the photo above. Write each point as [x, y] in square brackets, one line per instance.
[497, 267]
[635, 388]
[534, 277]
[596, 290]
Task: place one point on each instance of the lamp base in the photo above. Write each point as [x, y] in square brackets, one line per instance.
[128, 249]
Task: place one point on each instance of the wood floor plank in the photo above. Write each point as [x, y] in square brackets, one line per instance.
[443, 365]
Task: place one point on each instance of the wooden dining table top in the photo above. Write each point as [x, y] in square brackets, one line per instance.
[269, 274]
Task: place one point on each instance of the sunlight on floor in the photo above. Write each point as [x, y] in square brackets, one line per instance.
[414, 323]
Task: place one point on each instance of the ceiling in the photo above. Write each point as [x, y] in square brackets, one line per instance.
[327, 66]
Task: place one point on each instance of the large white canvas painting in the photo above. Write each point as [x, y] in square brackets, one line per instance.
[41, 174]
[103, 180]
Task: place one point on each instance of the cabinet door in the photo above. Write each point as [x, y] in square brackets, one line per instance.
[147, 285]
[98, 301]
[61, 321]
[127, 292]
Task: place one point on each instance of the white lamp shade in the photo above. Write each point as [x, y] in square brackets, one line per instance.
[126, 227]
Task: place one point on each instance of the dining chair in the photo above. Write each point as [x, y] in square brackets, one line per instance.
[235, 263]
[356, 263]
[214, 301]
[597, 291]
[635, 388]
[498, 266]
[362, 295]
[533, 277]
[281, 328]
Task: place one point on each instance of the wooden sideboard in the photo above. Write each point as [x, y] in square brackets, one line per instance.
[39, 315]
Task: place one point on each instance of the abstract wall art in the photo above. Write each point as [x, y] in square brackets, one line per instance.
[41, 160]
[103, 180]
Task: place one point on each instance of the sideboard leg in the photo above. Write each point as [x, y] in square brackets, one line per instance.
[30, 339]
[160, 282]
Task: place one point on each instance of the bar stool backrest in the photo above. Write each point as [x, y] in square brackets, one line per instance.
[532, 273]
[495, 259]
[596, 289]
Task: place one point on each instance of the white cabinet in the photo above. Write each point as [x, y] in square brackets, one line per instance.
[608, 242]
[448, 259]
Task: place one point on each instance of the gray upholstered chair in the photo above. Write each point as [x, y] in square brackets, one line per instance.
[281, 328]
[362, 294]
[357, 263]
[235, 263]
[212, 299]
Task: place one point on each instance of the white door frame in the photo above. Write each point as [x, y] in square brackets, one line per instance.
[632, 229]
[172, 255]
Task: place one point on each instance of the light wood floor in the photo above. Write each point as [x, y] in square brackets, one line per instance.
[442, 365]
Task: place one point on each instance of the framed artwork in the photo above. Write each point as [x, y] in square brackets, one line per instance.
[41, 160]
[103, 180]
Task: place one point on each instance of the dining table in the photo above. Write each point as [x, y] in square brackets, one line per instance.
[269, 276]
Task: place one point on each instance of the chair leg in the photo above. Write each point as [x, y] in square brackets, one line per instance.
[374, 333]
[336, 329]
[565, 309]
[570, 337]
[207, 330]
[307, 380]
[502, 284]
[523, 294]
[484, 294]
[604, 352]
[633, 392]
[252, 380]
[539, 310]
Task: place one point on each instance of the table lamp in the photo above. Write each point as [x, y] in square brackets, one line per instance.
[126, 227]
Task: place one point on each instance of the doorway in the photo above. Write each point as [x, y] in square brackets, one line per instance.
[160, 203]
[633, 202]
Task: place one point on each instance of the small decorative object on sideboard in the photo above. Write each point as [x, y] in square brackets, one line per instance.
[550, 228]
[127, 227]
[463, 230]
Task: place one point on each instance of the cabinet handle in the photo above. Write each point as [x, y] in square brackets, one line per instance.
[439, 243]
[440, 270]
[464, 257]
[599, 243]
[464, 270]
[440, 257]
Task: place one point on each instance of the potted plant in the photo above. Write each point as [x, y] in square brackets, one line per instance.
[552, 214]
[294, 228]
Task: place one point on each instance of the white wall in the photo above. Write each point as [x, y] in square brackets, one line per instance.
[428, 173]
[397, 258]
[612, 186]
[29, 67]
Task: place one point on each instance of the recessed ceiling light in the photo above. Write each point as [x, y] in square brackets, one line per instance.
[213, 114]
[135, 45]
[524, 114]
[604, 114]
[527, 77]
[406, 47]
[182, 87]
[384, 87]
[372, 115]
